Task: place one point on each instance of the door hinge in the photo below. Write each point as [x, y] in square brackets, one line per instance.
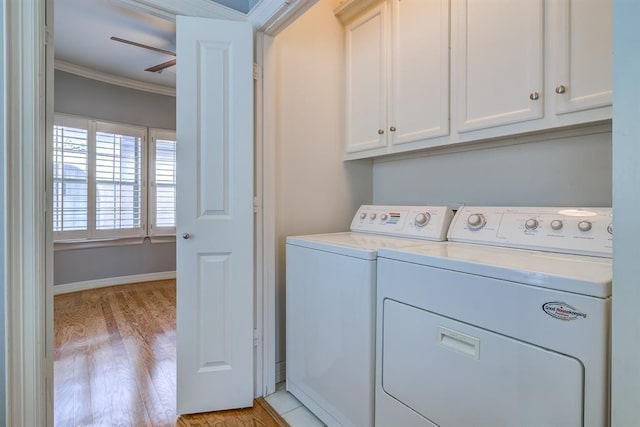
[256, 205]
[257, 338]
[257, 71]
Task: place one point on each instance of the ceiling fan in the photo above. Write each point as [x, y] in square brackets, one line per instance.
[156, 68]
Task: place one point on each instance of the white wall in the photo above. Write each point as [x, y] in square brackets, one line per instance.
[316, 191]
[554, 169]
[626, 205]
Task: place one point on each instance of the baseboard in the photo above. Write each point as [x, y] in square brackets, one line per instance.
[111, 281]
[281, 371]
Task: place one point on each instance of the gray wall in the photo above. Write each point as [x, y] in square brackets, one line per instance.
[553, 169]
[2, 224]
[78, 265]
[103, 101]
[626, 205]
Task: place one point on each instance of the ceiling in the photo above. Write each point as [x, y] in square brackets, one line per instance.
[83, 28]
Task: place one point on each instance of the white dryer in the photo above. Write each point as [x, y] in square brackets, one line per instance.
[330, 308]
[476, 333]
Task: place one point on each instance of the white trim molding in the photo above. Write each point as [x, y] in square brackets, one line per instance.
[28, 359]
[112, 281]
[168, 9]
[266, 192]
[273, 16]
[268, 16]
[101, 76]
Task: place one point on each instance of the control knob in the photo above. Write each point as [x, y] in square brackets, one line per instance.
[372, 216]
[531, 224]
[384, 217]
[422, 219]
[556, 224]
[363, 215]
[476, 221]
[584, 225]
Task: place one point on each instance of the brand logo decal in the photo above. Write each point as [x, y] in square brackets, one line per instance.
[562, 311]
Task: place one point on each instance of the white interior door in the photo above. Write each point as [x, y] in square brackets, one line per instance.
[215, 215]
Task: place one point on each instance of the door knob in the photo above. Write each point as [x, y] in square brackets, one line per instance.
[534, 96]
[186, 235]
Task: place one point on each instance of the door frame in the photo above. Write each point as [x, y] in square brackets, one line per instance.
[28, 37]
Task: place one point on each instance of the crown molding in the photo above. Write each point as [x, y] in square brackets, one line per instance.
[346, 10]
[113, 79]
[273, 16]
[268, 16]
[168, 9]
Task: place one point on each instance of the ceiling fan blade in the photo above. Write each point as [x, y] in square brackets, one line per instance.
[160, 67]
[144, 46]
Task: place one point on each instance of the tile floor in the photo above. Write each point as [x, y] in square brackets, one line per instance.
[291, 409]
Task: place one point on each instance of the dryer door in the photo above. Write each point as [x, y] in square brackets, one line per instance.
[457, 375]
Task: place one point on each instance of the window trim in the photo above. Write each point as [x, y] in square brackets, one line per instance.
[152, 230]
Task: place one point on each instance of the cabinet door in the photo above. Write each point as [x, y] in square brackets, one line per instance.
[419, 96]
[582, 54]
[366, 81]
[497, 62]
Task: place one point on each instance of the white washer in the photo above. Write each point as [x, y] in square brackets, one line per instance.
[473, 334]
[331, 281]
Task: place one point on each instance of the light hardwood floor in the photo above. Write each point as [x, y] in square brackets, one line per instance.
[115, 361]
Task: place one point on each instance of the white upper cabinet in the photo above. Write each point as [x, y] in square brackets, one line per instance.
[367, 81]
[497, 62]
[529, 65]
[582, 57]
[419, 84]
[397, 79]
[516, 66]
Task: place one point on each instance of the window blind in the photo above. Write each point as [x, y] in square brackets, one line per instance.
[118, 181]
[70, 178]
[165, 183]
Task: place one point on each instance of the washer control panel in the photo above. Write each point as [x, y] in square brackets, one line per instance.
[417, 222]
[582, 231]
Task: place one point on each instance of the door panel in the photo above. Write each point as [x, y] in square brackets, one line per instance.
[215, 209]
[419, 107]
[497, 62]
[457, 375]
[583, 55]
[366, 81]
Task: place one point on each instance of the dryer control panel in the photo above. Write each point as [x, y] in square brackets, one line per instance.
[582, 231]
[417, 222]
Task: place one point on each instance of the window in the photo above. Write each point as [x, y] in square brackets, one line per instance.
[100, 176]
[162, 181]
[70, 178]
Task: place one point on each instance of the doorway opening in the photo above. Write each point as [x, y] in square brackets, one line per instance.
[93, 206]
